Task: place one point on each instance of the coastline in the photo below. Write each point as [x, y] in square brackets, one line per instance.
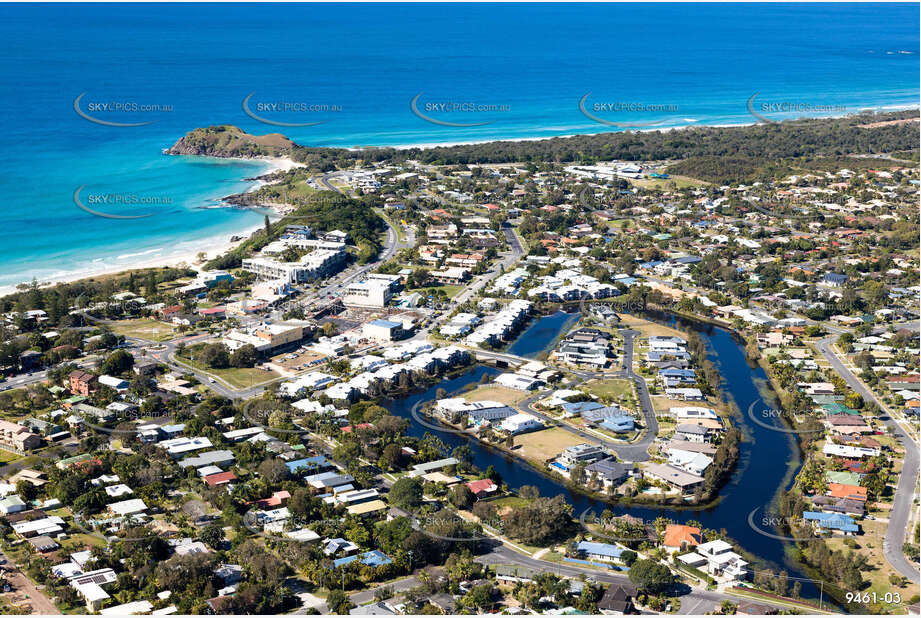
[614, 129]
[218, 244]
[212, 245]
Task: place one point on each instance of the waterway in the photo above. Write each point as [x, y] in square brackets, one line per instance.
[540, 336]
[767, 461]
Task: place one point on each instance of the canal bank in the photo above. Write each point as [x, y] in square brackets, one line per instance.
[760, 473]
[538, 339]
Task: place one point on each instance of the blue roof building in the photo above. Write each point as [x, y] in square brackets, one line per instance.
[579, 407]
[373, 558]
[832, 521]
[309, 464]
[599, 551]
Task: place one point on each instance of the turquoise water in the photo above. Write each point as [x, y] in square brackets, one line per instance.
[530, 63]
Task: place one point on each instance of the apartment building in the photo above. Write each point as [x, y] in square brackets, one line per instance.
[315, 265]
[265, 337]
[82, 382]
[375, 290]
[17, 438]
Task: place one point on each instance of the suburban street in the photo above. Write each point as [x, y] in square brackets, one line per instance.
[902, 503]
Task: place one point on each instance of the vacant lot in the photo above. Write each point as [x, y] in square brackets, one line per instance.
[237, 378]
[870, 544]
[539, 446]
[648, 328]
[508, 396]
[144, 328]
[449, 290]
[609, 390]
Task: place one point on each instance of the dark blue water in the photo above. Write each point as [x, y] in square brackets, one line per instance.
[767, 458]
[539, 336]
[369, 61]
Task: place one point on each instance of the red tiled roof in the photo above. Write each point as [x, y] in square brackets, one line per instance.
[481, 486]
[220, 478]
[677, 534]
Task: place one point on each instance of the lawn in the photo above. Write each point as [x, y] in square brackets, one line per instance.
[144, 328]
[870, 544]
[539, 446]
[449, 290]
[78, 542]
[649, 328]
[238, 378]
[7, 456]
[508, 396]
[610, 389]
[679, 182]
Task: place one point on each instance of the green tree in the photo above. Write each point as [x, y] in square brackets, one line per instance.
[338, 602]
[406, 493]
[651, 576]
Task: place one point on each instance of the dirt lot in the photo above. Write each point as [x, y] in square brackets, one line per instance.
[648, 328]
[508, 396]
[539, 446]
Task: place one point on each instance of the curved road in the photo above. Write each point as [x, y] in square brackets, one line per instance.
[632, 452]
[908, 479]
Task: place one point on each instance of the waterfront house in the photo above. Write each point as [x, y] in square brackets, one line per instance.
[520, 423]
[482, 487]
[581, 453]
[692, 432]
[608, 471]
[832, 522]
[673, 477]
[720, 561]
[432, 466]
[679, 537]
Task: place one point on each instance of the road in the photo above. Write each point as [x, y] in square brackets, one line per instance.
[632, 452]
[25, 594]
[693, 601]
[908, 479]
[508, 260]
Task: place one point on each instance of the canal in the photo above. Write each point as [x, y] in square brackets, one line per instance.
[540, 336]
[768, 459]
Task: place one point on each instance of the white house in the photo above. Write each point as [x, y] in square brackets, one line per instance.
[520, 423]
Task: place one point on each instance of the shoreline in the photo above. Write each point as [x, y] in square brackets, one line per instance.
[212, 245]
[614, 129]
[217, 244]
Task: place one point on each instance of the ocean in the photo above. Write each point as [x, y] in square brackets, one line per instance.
[352, 72]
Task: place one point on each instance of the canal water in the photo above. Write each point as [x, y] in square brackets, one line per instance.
[767, 460]
[540, 336]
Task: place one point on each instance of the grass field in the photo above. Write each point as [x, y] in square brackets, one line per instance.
[649, 328]
[679, 182]
[7, 457]
[450, 290]
[539, 446]
[144, 328]
[237, 378]
[508, 396]
[870, 544]
[610, 390]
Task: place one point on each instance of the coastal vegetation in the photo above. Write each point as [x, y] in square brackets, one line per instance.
[321, 210]
[228, 141]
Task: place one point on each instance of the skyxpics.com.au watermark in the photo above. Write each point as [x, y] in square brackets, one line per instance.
[118, 112]
[437, 111]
